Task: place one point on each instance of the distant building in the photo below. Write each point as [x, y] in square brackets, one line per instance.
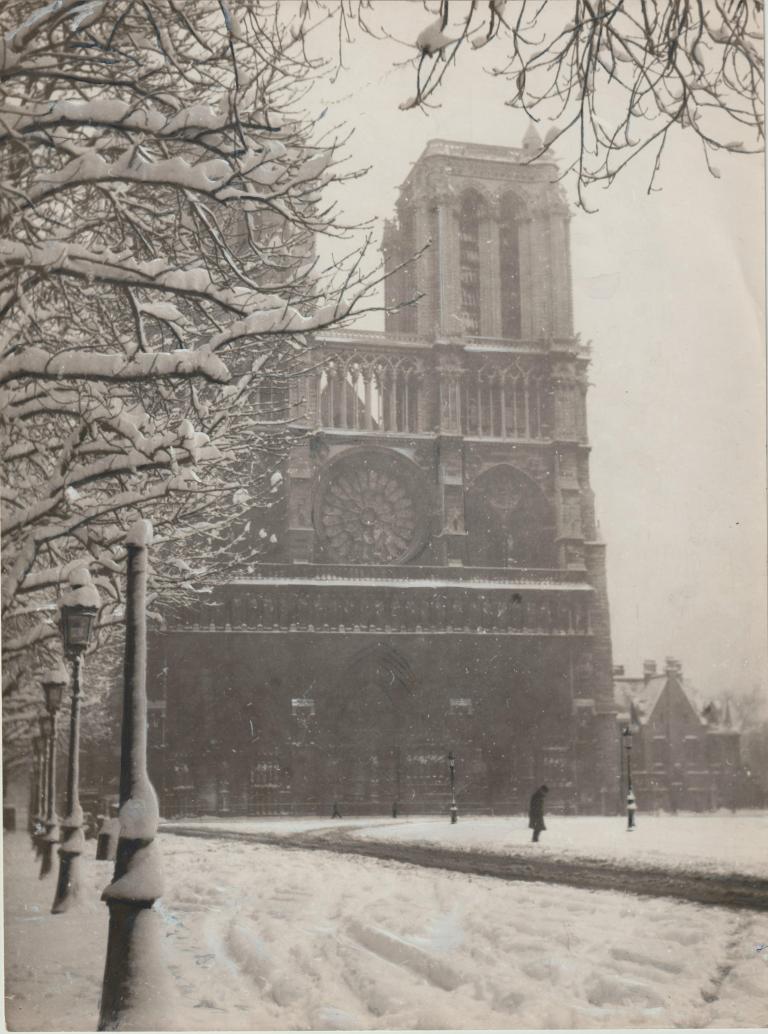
[681, 758]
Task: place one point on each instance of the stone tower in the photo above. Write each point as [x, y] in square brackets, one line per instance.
[439, 584]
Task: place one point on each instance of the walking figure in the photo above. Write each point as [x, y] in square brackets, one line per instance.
[536, 812]
[335, 814]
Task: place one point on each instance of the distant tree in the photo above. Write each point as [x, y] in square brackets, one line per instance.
[161, 190]
[616, 75]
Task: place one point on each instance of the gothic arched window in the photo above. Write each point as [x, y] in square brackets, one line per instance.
[470, 214]
[328, 394]
[272, 399]
[406, 398]
[535, 408]
[508, 520]
[509, 267]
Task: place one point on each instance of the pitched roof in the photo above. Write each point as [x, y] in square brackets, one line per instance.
[636, 698]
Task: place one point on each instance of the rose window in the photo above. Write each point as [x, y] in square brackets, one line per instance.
[368, 513]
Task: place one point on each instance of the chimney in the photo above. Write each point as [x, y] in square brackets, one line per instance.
[649, 669]
[618, 670]
[727, 721]
[673, 666]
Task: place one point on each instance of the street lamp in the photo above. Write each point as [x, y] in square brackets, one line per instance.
[78, 608]
[53, 683]
[626, 734]
[49, 832]
[36, 788]
[452, 769]
[131, 973]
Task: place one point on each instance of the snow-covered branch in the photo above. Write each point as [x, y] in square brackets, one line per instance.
[161, 189]
[39, 364]
[615, 77]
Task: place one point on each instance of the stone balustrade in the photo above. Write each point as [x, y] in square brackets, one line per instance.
[319, 608]
[512, 578]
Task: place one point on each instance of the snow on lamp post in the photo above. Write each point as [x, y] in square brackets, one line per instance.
[452, 769]
[133, 976]
[54, 683]
[631, 804]
[78, 608]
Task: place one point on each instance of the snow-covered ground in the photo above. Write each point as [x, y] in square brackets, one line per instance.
[702, 842]
[277, 826]
[710, 843]
[257, 937]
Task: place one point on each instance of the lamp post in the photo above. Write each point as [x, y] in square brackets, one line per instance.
[54, 683]
[132, 976]
[36, 787]
[452, 769]
[49, 829]
[78, 608]
[626, 734]
[42, 809]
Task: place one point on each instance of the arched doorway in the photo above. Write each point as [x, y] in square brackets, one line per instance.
[370, 727]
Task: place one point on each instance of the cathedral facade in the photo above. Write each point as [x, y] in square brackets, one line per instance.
[439, 587]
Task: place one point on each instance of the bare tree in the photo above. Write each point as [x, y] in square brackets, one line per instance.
[617, 76]
[161, 191]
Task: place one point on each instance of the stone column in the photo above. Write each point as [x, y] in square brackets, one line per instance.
[450, 454]
[301, 532]
[570, 534]
[561, 318]
[448, 273]
[490, 275]
[424, 278]
[528, 279]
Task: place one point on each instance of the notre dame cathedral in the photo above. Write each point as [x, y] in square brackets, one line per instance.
[441, 586]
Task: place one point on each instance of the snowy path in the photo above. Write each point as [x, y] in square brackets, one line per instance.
[708, 888]
[261, 938]
[707, 843]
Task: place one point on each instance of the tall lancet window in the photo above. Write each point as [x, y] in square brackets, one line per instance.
[509, 267]
[470, 214]
[406, 286]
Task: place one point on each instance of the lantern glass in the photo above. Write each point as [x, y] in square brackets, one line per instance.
[76, 627]
[54, 691]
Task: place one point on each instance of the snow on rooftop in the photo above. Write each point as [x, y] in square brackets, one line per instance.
[418, 583]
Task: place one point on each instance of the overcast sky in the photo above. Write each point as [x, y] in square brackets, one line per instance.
[668, 287]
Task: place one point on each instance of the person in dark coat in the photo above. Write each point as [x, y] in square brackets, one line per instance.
[536, 812]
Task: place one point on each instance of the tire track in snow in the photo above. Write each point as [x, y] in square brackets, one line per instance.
[402, 953]
[706, 888]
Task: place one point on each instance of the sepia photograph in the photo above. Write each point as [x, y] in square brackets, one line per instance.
[384, 534]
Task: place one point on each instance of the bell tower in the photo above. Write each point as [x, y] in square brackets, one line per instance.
[498, 262]
[439, 582]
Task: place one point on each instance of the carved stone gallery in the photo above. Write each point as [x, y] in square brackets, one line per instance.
[438, 581]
